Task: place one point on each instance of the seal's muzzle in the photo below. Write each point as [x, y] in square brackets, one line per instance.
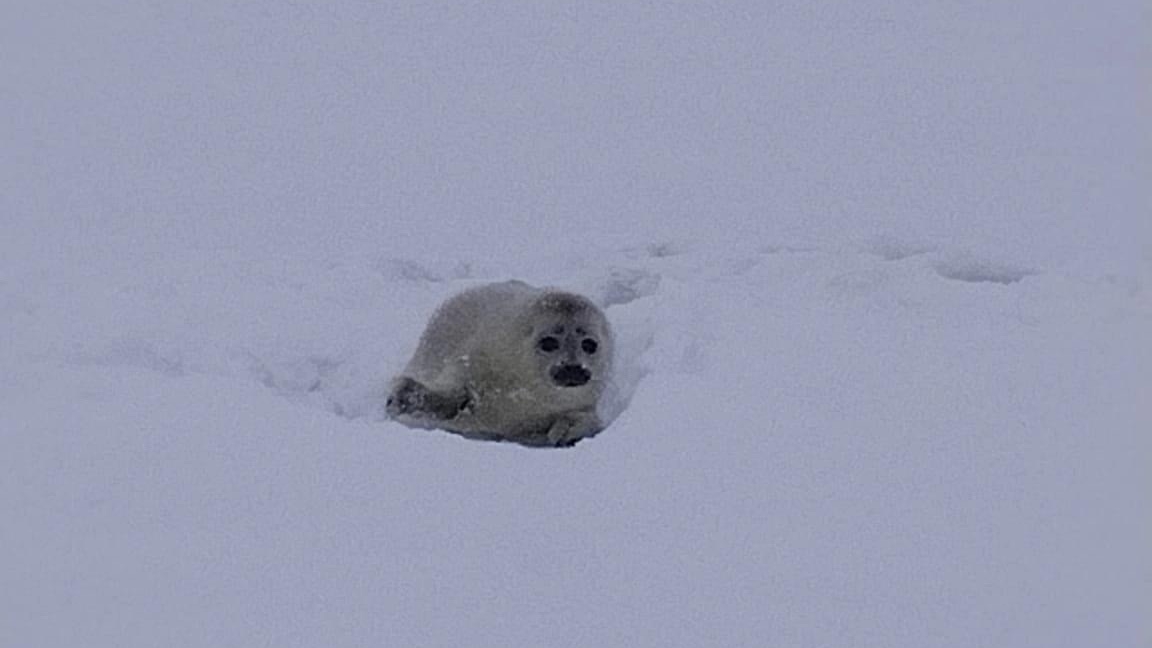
[571, 375]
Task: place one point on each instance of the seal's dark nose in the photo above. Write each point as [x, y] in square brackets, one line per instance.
[570, 375]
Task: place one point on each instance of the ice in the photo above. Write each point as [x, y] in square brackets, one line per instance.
[879, 276]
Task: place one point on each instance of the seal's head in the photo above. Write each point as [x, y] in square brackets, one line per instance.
[571, 342]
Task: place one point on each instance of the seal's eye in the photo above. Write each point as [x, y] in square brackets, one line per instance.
[548, 344]
[589, 346]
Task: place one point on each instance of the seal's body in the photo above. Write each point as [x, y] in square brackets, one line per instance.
[511, 362]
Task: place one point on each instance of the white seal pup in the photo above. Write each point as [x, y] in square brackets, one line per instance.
[508, 362]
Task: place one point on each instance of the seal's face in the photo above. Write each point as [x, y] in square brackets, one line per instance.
[567, 353]
[571, 347]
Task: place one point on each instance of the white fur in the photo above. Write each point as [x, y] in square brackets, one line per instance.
[480, 348]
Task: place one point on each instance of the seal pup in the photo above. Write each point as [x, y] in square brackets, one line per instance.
[508, 362]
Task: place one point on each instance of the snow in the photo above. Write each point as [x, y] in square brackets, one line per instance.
[880, 277]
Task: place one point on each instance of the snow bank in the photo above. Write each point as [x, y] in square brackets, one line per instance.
[880, 277]
[812, 448]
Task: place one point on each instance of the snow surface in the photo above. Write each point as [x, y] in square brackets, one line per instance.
[881, 275]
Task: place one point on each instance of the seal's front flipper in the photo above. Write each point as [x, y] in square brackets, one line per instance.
[411, 398]
[571, 427]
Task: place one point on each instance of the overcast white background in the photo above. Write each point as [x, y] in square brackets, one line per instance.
[880, 274]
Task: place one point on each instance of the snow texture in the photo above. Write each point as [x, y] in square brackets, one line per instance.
[880, 273]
